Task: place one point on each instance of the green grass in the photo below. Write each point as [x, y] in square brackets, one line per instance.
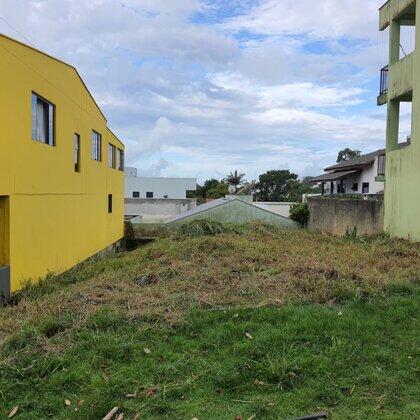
[354, 361]
[258, 322]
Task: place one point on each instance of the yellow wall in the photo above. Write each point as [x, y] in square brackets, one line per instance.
[58, 217]
[402, 201]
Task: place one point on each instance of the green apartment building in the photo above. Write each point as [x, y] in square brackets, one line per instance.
[400, 82]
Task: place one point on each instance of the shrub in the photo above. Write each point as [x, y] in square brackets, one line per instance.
[203, 227]
[300, 214]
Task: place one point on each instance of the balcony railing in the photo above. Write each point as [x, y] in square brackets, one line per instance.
[384, 80]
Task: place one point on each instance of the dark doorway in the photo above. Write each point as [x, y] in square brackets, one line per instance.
[4, 247]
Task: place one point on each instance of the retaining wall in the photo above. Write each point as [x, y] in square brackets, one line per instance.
[339, 216]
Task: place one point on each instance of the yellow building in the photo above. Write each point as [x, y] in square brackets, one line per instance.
[61, 168]
[400, 84]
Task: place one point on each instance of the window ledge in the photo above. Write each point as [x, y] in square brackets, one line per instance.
[403, 145]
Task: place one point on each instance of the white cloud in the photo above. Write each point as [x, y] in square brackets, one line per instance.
[296, 94]
[248, 92]
[319, 19]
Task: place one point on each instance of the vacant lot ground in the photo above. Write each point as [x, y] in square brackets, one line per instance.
[252, 322]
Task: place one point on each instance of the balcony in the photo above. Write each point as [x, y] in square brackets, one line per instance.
[397, 80]
[383, 88]
[400, 78]
[397, 9]
[384, 80]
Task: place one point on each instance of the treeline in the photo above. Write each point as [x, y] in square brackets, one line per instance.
[275, 185]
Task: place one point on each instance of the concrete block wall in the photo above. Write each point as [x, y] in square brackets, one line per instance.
[338, 216]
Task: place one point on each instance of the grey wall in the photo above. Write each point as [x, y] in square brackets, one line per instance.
[283, 209]
[337, 216]
[157, 207]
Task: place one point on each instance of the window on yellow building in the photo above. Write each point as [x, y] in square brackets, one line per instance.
[112, 156]
[96, 146]
[42, 120]
[109, 203]
[76, 152]
[120, 160]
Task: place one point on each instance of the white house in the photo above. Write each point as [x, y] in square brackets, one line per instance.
[150, 187]
[361, 175]
[156, 199]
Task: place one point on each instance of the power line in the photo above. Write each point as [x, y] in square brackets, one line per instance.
[20, 33]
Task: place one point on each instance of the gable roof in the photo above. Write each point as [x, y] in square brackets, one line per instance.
[333, 176]
[360, 161]
[199, 209]
[204, 208]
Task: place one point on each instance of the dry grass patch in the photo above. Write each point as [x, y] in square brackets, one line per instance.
[252, 266]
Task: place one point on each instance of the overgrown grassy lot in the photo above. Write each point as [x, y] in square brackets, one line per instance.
[220, 322]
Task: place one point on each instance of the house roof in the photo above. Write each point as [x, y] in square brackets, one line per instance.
[203, 208]
[199, 209]
[358, 161]
[333, 176]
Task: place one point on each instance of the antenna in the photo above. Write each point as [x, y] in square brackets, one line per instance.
[20, 33]
[232, 189]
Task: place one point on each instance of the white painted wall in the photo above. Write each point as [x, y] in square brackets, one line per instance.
[155, 209]
[283, 209]
[160, 187]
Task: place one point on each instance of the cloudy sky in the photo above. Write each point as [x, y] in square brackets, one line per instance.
[203, 87]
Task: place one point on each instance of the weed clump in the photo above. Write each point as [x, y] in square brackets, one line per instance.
[202, 227]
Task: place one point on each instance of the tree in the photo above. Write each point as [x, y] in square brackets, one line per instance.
[347, 154]
[219, 191]
[203, 189]
[210, 183]
[307, 187]
[281, 185]
[235, 178]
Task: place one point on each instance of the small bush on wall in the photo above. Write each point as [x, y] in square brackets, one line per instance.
[300, 214]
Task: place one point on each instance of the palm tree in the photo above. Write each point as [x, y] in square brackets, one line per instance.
[236, 179]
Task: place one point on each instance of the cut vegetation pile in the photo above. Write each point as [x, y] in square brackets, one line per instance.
[217, 322]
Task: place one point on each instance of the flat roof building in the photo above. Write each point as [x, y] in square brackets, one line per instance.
[156, 187]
